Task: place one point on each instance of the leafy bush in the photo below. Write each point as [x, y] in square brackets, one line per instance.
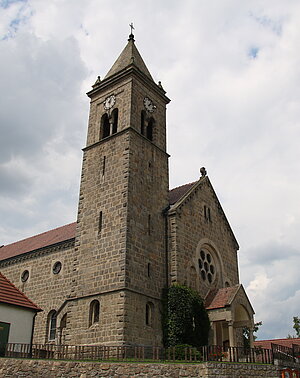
[183, 352]
[185, 320]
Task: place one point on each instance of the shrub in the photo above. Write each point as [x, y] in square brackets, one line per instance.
[185, 320]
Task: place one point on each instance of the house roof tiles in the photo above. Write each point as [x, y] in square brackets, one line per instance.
[266, 344]
[11, 295]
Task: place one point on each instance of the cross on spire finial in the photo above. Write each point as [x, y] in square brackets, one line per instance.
[131, 36]
[131, 27]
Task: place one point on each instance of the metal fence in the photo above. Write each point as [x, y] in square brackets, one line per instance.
[284, 353]
[140, 353]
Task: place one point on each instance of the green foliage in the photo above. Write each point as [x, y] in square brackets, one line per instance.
[184, 352]
[246, 334]
[185, 320]
[296, 326]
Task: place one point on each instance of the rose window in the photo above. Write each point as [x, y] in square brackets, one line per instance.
[206, 266]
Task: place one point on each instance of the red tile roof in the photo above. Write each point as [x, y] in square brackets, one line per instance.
[9, 294]
[65, 232]
[38, 241]
[176, 193]
[219, 298]
[266, 344]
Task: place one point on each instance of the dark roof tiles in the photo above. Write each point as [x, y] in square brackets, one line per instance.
[11, 295]
[176, 193]
[219, 298]
[38, 241]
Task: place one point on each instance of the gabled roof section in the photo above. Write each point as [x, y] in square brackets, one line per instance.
[9, 294]
[129, 56]
[176, 193]
[224, 297]
[45, 239]
[219, 298]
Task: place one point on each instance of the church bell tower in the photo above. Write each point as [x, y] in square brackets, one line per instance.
[121, 238]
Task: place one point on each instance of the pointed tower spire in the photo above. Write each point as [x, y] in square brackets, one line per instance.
[129, 56]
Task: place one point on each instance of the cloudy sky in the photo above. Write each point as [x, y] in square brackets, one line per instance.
[232, 70]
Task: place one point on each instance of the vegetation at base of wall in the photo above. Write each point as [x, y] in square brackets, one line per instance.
[184, 318]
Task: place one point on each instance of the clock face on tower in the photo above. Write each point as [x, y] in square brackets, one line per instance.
[109, 102]
[149, 106]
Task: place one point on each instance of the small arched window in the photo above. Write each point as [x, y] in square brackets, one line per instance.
[143, 120]
[149, 314]
[150, 127]
[52, 325]
[114, 116]
[105, 126]
[94, 315]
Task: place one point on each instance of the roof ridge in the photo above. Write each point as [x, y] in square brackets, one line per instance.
[180, 186]
[33, 236]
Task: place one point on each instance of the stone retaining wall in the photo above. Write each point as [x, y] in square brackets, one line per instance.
[16, 368]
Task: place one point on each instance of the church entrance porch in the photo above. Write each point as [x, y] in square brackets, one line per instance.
[229, 311]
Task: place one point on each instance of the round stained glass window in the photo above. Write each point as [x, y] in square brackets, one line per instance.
[207, 266]
[56, 267]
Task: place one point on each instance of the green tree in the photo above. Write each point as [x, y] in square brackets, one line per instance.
[296, 326]
[185, 320]
[246, 334]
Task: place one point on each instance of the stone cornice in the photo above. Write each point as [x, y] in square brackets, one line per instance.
[133, 71]
[129, 128]
[38, 252]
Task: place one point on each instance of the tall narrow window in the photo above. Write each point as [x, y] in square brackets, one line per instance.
[208, 215]
[149, 314]
[150, 128]
[149, 224]
[143, 119]
[114, 116]
[148, 269]
[100, 222]
[52, 325]
[105, 126]
[94, 314]
[103, 165]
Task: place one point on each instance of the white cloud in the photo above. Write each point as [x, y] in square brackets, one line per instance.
[233, 112]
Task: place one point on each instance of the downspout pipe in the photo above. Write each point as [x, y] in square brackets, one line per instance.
[165, 214]
[32, 331]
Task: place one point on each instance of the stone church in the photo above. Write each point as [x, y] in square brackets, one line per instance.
[99, 280]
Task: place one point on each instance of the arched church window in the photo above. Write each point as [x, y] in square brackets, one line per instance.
[143, 120]
[52, 325]
[105, 126]
[94, 315]
[150, 127]
[149, 313]
[114, 116]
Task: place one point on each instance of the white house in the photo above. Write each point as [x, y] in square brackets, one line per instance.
[17, 314]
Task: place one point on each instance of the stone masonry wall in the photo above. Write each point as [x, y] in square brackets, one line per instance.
[43, 287]
[15, 368]
[190, 232]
